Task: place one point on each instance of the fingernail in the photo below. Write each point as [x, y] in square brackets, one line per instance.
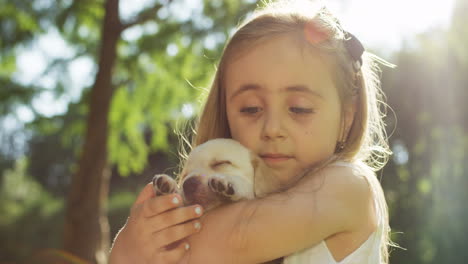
[198, 210]
[197, 225]
[187, 246]
[175, 200]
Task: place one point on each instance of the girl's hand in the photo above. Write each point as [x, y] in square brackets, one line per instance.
[156, 229]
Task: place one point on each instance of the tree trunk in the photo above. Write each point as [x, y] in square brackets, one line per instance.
[86, 228]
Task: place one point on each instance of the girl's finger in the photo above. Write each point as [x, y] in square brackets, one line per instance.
[145, 194]
[160, 204]
[175, 233]
[175, 217]
[174, 254]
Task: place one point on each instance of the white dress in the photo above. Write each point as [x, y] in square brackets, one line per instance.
[367, 253]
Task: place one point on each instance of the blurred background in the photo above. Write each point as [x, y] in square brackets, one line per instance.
[92, 92]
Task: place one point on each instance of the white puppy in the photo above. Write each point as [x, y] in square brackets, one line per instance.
[219, 171]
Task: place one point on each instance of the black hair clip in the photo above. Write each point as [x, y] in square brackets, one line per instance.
[355, 49]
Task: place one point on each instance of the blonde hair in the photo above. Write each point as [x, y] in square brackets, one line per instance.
[366, 141]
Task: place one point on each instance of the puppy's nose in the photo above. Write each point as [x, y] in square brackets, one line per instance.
[191, 185]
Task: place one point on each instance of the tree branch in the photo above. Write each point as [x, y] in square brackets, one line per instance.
[145, 15]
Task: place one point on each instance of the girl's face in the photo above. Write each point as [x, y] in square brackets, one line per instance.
[283, 105]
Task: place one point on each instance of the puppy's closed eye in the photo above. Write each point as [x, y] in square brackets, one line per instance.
[219, 163]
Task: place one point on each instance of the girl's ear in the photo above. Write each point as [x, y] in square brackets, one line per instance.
[264, 181]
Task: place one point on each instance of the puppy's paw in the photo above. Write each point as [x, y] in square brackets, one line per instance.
[164, 184]
[222, 187]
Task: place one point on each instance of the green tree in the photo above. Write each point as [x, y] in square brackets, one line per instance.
[18, 26]
[141, 84]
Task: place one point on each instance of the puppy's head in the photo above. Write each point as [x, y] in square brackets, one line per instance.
[225, 157]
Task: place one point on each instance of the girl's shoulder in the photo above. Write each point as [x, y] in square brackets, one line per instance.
[358, 175]
[346, 185]
[358, 186]
[361, 174]
[342, 186]
[350, 186]
[349, 175]
[358, 167]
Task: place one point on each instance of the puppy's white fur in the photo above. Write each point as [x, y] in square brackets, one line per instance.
[219, 171]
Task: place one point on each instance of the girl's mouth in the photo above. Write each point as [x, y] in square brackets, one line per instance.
[275, 158]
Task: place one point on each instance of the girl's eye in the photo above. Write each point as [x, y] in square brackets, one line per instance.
[301, 110]
[250, 110]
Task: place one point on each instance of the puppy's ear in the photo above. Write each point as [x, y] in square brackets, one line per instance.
[264, 180]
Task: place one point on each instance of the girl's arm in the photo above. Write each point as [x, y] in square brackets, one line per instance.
[332, 201]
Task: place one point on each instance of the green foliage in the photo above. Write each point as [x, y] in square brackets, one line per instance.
[32, 218]
[54, 148]
[79, 23]
[149, 101]
[13, 94]
[25, 194]
[24, 201]
[427, 193]
[18, 23]
[118, 208]
[154, 77]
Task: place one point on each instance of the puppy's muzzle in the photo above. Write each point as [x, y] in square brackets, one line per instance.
[191, 187]
[196, 191]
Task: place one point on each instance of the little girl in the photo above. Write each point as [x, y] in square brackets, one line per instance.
[298, 90]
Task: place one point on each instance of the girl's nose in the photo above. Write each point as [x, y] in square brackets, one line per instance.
[272, 127]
